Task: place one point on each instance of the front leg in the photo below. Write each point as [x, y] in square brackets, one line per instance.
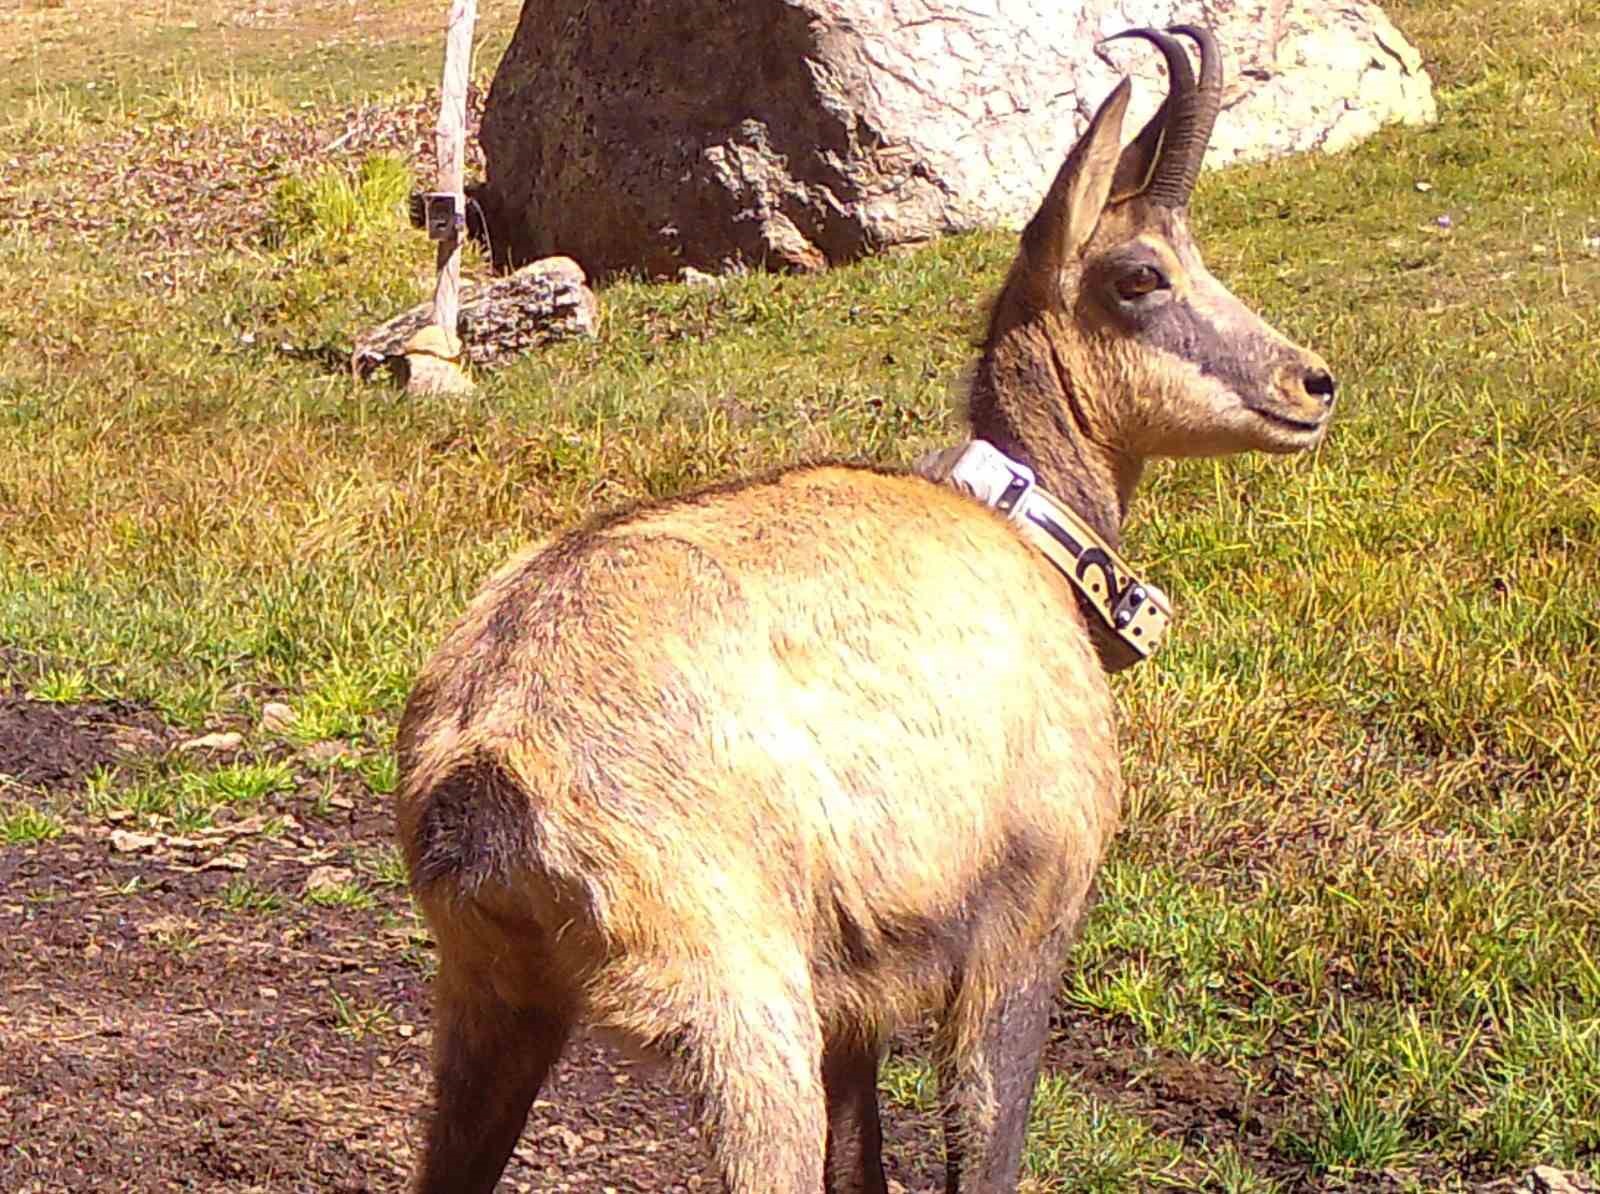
[855, 1136]
[989, 1046]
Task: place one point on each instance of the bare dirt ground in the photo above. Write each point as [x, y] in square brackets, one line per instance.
[156, 1036]
[154, 1040]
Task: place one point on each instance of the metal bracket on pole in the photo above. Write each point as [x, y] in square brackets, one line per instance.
[443, 214]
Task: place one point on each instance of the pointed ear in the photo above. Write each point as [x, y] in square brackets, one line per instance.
[1138, 160]
[1067, 218]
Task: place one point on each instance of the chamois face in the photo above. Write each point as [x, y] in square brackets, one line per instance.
[1156, 356]
[1195, 372]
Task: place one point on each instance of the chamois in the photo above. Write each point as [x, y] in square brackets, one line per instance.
[748, 778]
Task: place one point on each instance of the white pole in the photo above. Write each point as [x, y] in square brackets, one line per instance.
[450, 145]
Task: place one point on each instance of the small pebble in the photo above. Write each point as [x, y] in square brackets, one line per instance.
[228, 741]
[276, 717]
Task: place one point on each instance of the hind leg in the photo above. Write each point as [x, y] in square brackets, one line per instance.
[763, 1098]
[490, 1060]
[989, 1049]
[855, 1137]
[745, 1039]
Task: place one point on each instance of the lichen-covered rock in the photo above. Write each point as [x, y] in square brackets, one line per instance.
[500, 320]
[798, 133]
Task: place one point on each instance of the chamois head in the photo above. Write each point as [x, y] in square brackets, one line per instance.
[1111, 342]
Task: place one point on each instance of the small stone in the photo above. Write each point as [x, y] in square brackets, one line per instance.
[165, 926]
[267, 992]
[427, 374]
[690, 276]
[125, 841]
[231, 740]
[569, 1139]
[135, 740]
[327, 750]
[432, 340]
[500, 320]
[325, 878]
[276, 717]
[1424, 187]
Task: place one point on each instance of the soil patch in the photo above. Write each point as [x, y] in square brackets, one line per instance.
[156, 1036]
[1179, 1098]
[50, 746]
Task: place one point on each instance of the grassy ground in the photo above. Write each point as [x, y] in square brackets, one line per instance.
[1358, 882]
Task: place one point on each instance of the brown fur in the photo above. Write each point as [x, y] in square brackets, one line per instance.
[750, 778]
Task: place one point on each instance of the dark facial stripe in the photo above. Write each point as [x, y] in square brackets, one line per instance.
[1243, 363]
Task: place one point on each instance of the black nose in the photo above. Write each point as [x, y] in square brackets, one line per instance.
[1319, 383]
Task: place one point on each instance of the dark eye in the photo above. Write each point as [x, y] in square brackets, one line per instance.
[1137, 283]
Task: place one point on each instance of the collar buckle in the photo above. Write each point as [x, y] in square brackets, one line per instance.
[1141, 616]
[1135, 610]
[992, 477]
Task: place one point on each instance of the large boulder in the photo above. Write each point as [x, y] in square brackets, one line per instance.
[797, 133]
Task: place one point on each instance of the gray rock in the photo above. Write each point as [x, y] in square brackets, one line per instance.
[799, 133]
[499, 320]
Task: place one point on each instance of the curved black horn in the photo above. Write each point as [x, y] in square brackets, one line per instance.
[1188, 142]
[1172, 50]
[1188, 113]
[1166, 176]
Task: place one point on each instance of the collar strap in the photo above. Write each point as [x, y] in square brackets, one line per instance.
[1136, 611]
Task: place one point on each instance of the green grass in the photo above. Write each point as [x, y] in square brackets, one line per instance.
[357, 1019]
[1078, 1142]
[188, 59]
[26, 825]
[339, 205]
[59, 687]
[185, 793]
[1362, 846]
[241, 895]
[384, 866]
[352, 896]
[1075, 1141]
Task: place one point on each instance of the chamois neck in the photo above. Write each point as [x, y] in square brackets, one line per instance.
[1026, 401]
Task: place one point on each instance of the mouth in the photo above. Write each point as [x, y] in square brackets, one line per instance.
[1272, 416]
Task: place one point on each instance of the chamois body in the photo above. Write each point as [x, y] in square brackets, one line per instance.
[751, 777]
[835, 741]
